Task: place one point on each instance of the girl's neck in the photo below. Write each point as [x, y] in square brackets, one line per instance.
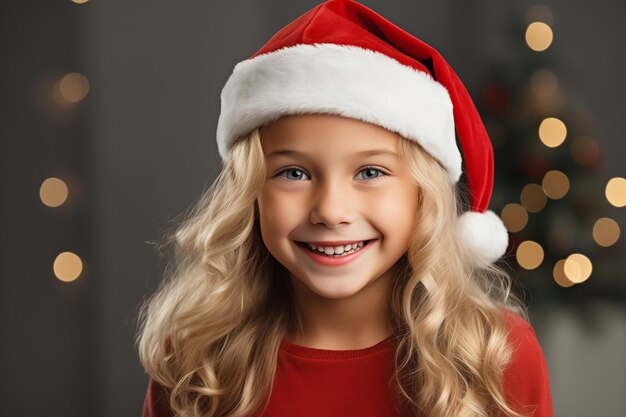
[357, 322]
[341, 342]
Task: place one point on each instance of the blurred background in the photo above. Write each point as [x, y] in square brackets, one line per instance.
[108, 115]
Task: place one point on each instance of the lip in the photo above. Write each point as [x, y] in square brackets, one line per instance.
[332, 261]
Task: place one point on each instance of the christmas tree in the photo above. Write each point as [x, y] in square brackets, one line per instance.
[550, 188]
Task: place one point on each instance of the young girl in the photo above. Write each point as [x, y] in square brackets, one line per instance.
[332, 269]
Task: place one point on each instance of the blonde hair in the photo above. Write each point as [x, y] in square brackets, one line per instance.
[211, 332]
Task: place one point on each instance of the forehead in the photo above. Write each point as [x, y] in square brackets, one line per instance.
[316, 134]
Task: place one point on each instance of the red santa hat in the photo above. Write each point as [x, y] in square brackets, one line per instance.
[343, 58]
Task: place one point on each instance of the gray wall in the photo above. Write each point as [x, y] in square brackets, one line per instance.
[143, 148]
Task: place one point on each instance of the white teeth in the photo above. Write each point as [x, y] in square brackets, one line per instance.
[335, 250]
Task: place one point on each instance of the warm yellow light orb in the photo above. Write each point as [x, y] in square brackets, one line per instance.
[555, 184]
[514, 217]
[533, 198]
[552, 132]
[53, 192]
[558, 273]
[577, 268]
[606, 231]
[529, 254]
[67, 266]
[72, 88]
[616, 191]
[538, 36]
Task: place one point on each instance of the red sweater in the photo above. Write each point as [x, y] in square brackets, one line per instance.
[342, 383]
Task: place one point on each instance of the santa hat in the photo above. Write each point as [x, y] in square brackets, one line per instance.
[343, 58]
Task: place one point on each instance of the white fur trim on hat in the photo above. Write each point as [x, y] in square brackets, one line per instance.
[485, 234]
[345, 80]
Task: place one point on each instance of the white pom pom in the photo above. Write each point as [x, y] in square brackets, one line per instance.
[485, 234]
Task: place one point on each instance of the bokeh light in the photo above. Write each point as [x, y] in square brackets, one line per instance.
[538, 36]
[53, 192]
[514, 216]
[577, 268]
[533, 198]
[70, 89]
[552, 132]
[606, 231]
[529, 254]
[616, 191]
[555, 184]
[558, 273]
[67, 266]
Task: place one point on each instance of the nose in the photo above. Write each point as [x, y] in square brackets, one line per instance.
[331, 205]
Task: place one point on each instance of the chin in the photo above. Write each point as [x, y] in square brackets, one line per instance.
[334, 288]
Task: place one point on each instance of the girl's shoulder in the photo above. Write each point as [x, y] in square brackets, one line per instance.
[515, 324]
[156, 401]
[527, 352]
[522, 337]
[526, 380]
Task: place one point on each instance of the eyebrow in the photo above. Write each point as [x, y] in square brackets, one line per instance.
[370, 152]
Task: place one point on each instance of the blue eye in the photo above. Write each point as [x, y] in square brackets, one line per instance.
[291, 170]
[369, 170]
[373, 169]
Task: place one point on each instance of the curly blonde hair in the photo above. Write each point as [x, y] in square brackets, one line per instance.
[210, 334]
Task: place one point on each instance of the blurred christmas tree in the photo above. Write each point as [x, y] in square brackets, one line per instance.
[550, 187]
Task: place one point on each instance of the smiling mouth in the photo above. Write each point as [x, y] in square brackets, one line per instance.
[335, 260]
[304, 244]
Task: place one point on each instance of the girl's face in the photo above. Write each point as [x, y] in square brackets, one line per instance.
[326, 183]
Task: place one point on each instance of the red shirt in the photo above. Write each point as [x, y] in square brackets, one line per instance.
[342, 383]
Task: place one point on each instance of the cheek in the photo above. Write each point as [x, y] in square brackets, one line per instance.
[397, 203]
[395, 212]
[278, 213]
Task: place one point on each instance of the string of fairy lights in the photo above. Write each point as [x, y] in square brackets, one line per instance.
[72, 88]
[552, 132]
